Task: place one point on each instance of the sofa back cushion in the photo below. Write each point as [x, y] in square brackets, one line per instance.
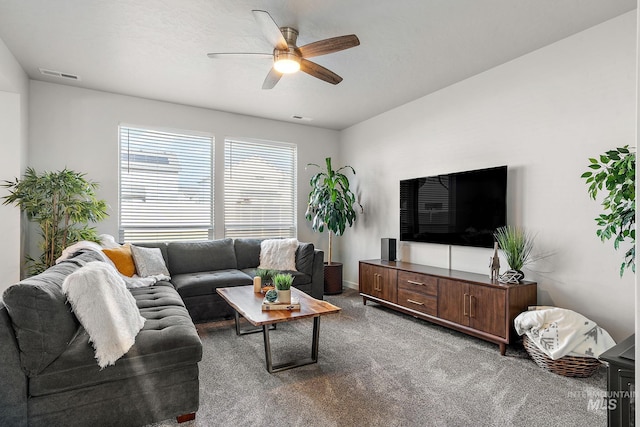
[193, 257]
[304, 258]
[247, 253]
[41, 316]
[160, 245]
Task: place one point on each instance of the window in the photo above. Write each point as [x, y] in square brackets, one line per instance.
[165, 186]
[260, 189]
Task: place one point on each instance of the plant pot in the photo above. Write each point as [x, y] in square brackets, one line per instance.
[332, 278]
[284, 296]
[511, 276]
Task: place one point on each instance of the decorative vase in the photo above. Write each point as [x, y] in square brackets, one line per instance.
[284, 296]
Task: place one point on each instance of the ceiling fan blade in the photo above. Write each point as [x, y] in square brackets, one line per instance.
[319, 72]
[270, 29]
[335, 44]
[272, 78]
[217, 55]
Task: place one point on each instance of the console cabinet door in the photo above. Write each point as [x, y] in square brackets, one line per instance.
[366, 278]
[476, 306]
[453, 301]
[379, 282]
[487, 312]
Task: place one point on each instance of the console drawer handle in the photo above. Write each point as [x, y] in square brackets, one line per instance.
[415, 283]
[414, 302]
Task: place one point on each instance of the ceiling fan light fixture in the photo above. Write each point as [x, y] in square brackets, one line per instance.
[286, 62]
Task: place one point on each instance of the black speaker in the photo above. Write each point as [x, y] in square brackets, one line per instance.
[387, 249]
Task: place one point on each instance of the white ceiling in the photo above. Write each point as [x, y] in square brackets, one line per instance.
[409, 48]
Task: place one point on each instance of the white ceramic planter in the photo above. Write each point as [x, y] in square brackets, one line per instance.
[284, 296]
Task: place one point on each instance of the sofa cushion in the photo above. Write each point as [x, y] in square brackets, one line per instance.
[41, 317]
[192, 257]
[149, 261]
[168, 339]
[206, 282]
[160, 245]
[278, 254]
[304, 258]
[122, 258]
[247, 253]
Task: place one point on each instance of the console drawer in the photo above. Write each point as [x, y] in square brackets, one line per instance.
[427, 304]
[419, 283]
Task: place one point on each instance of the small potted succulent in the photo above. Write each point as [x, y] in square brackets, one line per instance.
[283, 282]
[266, 277]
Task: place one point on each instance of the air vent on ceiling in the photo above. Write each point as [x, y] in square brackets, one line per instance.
[304, 119]
[61, 75]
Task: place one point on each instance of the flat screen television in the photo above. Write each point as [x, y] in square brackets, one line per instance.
[463, 208]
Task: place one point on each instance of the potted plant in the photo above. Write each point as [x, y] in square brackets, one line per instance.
[266, 276]
[62, 203]
[283, 282]
[517, 246]
[330, 206]
[614, 173]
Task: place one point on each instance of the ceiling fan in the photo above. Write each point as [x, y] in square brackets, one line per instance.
[289, 58]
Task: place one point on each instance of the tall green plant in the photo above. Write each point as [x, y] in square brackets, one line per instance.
[614, 173]
[62, 203]
[516, 244]
[331, 202]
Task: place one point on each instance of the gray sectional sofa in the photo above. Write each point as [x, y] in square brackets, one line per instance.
[198, 268]
[48, 373]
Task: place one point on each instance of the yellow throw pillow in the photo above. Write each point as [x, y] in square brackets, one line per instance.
[122, 258]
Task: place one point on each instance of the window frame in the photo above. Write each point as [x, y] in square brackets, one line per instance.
[172, 232]
[249, 231]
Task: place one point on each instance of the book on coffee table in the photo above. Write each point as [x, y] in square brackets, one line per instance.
[277, 305]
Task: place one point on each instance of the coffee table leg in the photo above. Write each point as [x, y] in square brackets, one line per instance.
[316, 339]
[247, 331]
[295, 363]
[267, 348]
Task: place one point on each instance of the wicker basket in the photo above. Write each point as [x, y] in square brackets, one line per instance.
[568, 366]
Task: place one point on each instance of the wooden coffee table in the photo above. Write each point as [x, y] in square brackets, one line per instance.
[248, 304]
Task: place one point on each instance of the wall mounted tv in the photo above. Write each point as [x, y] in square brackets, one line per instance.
[463, 208]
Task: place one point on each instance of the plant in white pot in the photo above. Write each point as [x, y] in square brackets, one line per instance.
[330, 206]
[283, 282]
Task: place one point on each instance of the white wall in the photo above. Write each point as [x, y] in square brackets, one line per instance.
[14, 89]
[78, 129]
[543, 115]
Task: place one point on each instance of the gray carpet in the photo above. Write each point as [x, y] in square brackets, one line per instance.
[380, 368]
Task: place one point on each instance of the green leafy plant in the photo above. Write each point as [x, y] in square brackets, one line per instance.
[283, 281]
[62, 203]
[266, 275]
[516, 244]
[614, 173]
[331, 202]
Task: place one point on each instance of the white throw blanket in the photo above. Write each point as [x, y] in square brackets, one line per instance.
[560, 332]
[131, 282]
[105, 308]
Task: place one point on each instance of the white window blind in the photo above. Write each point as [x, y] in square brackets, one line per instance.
[165, 186]
[260, 189]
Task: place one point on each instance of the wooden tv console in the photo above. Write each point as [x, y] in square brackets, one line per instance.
[467, 302]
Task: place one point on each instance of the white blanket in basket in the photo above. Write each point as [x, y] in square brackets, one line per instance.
[560, 332]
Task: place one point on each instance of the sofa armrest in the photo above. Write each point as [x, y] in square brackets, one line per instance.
[13, 393]
[317, 278]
